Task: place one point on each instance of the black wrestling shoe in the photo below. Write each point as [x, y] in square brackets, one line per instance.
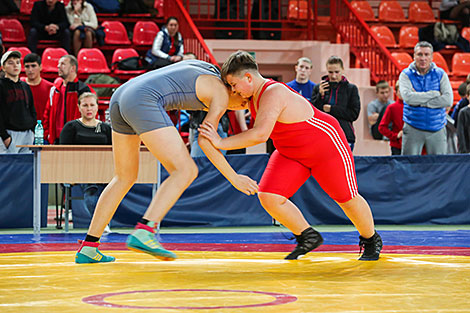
[372, 247]
[308, 240]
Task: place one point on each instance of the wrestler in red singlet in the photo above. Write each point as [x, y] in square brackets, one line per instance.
[316, 147]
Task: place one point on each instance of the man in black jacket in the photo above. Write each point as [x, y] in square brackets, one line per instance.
[338, 97]
[49, 22]
[17, 112]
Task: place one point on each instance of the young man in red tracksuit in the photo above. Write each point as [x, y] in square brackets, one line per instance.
[308, 142]
[393, 115]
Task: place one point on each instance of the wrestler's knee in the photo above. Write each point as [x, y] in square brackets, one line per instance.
[271, 199]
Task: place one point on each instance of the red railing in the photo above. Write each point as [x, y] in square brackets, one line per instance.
[363, 43]
[193, 41]
[255, 19]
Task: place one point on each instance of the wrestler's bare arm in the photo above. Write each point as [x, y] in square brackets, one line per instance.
[271, 106]
[215, 95]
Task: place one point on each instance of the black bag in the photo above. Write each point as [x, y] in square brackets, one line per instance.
[128, 64]
[133, 7]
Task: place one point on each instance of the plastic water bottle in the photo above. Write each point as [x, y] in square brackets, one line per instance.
[39, 134]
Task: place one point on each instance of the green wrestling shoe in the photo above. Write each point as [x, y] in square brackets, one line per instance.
[143, 240]
[89, 253]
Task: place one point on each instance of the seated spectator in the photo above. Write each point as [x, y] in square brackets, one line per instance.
[376, 108]
[83, 23]
[391, 125]
[189, 56]
[302, 83]
[17, 113]
[39, 87]
[455, 10]
[8, 7]
[167, 47]
[87, 130]
[49, 22]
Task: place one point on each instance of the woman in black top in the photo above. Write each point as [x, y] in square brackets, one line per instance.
[87, 130]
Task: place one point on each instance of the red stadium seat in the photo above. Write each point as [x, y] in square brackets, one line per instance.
[24, 51]
[116, 33]
[403, 59]
[12, 30]
[466, 33]
[385, 36]
[65, 2]
[121, 54]
[440, 61]
[420, 12]
[298, 10]
[50, 59]
[144, 33]
[364, 10]
[461, 64]
[408, 37]
[391, 11]
[91, 60]
[26, 6]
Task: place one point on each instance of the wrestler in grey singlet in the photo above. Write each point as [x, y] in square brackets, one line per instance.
[140, 104]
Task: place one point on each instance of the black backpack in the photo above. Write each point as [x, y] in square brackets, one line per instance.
[133, 7]
[128, 64]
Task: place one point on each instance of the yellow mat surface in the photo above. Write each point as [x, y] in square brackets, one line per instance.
[234, 282]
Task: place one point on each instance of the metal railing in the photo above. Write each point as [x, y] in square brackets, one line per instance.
[254, 19]
[193, 41]
[364, 43]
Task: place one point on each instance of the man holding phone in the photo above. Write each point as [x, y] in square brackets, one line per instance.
[338, 97]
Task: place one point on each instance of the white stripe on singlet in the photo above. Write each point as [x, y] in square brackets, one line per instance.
[336, 139]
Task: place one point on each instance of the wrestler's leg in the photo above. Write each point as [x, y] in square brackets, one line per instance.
[358, 211]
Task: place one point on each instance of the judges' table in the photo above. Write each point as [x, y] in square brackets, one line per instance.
[80, 164]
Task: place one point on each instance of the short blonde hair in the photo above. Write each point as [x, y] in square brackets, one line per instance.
[87, 95]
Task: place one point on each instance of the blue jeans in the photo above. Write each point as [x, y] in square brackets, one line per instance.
[196, 151]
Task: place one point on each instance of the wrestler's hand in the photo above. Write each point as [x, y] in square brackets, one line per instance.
[245, 184]
[207, 130]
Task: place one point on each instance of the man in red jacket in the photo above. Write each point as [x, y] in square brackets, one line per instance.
[62, 105]
[393, 115]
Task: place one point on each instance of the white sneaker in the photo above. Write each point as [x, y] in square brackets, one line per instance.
[107, 230]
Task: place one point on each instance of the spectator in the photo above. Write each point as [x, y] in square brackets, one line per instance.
[463, 130]
[167, 47]
[62, 105]
[460, 105]
[49, 21]
[87, 130]
[39, 87]
[393, 117]
[376, 108]
[426, 93]
[302, 83]
[17, 113]
[83, 23]
[456, 10]
[338, 97]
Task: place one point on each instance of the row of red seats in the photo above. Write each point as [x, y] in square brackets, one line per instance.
[90, 61]
[116, 34]
[392, 11]
[460, 62]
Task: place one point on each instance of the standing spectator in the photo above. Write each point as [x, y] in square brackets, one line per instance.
[83, 23]
[302, 83]
[463, 130]
[393, 115]
[17, 113]
[49, 21]
[426, 93]
[167, 47]
[39, 87]
[62, 105]
[464, 102]
[338, 97]
[87, 130]
[376, 108]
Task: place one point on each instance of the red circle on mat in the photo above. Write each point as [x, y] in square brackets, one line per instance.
[279, 298]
